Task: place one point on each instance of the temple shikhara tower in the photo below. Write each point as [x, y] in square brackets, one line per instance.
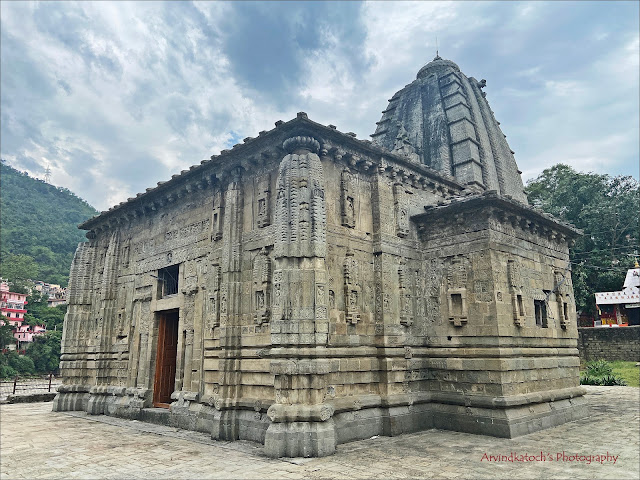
[306, 288]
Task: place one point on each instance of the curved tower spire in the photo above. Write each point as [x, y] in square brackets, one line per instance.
[443, 120]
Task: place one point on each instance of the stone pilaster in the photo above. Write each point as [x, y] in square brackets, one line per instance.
[301, 422]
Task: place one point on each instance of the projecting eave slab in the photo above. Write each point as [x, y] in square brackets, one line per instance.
[510, 208]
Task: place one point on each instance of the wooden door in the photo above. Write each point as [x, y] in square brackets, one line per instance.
[166, 359]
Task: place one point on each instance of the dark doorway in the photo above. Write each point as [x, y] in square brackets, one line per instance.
[166, 358]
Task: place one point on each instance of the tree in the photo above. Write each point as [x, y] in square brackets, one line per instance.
[40, 221]
[6, 333]
[606, 209]
[21, 364]
[45, 352]
[18, 269]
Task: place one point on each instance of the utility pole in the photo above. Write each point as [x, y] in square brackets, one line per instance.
[47, 174]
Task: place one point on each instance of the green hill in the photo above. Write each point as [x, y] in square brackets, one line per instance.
[38, 222]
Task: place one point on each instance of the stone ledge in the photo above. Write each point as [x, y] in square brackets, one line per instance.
[33, 398]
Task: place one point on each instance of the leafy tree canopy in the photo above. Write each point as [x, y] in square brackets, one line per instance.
[606, 209]
[38, 221]
[6, 333]
[18, 269]
[43, 354]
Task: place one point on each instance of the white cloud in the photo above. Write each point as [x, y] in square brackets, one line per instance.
[134, 128]
[128, 93]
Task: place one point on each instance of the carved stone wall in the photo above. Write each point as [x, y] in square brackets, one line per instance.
[328, 290]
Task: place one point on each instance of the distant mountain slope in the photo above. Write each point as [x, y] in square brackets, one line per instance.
[41, 221]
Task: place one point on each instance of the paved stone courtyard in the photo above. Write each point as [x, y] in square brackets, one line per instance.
[37, 443]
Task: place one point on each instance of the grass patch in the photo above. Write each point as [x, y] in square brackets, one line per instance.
[627, 371]
[601, 372]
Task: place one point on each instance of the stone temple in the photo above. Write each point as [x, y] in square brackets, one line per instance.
[306, 288]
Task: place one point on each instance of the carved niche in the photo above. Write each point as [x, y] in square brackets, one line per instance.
[126, 253]
[457, 290]
[347, 199]
[262, 287]
[406, 294]
[563, 292]
[516, 291]
[351, 289]
[401, 210]
[216, 217]
[263, 198]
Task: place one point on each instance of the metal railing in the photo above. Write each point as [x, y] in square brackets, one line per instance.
[29, 385]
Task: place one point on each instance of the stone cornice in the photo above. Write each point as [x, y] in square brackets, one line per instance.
[503, 206]
[258, 151]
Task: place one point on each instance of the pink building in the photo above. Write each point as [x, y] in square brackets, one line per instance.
[12, 305]
[25, 333]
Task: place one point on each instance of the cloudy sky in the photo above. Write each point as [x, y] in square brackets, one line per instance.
[115, 96]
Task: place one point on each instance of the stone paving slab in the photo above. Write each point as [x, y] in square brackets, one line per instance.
[38, 443]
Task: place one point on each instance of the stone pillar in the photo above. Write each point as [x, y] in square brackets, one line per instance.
[74, 365]
[302, 424]
[229, 381]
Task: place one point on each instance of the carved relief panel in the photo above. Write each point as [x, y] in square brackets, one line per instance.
[278, 295]
[347, 199]
[263, 198]
[190, 283]
[213, 309]
[352, 294]
[262, 287]
[433, 280]
[401, 210]
[224, 303]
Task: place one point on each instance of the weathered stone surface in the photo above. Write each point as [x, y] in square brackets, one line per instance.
[443, 120]
[324, 289]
